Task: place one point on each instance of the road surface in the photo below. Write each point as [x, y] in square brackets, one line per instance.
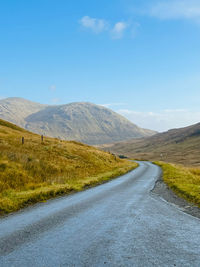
[120, 223]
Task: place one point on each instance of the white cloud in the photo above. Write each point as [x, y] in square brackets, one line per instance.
[176, 9]
[118, 30]
[94, 24]
[109, 105]
[163, 120]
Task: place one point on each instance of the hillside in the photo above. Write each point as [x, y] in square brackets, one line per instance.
[15, 109]
[36, 170]
[177, 146]
[83, 122]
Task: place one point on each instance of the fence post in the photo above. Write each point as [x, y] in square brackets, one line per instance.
[22, 140]
[42, 138]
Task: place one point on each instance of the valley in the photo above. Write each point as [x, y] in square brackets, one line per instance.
[180, 146]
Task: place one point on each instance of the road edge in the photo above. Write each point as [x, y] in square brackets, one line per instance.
[161, 189]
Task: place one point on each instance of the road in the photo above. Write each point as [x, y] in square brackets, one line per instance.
[120, 223]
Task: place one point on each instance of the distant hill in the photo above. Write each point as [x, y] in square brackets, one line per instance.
[84, 122]
[177, 145]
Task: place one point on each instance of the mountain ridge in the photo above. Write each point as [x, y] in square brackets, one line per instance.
[81, 121]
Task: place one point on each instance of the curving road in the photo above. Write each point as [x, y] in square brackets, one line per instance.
[120, 223]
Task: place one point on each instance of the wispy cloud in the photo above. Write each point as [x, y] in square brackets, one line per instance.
[109, 105]
[163, 120]
[94, 24]
[176, 9]
[118, 30]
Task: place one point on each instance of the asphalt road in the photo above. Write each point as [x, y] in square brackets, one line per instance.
[120, 223]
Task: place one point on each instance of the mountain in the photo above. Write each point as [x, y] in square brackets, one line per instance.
[84, 122]
[15, 109]
[176, 146]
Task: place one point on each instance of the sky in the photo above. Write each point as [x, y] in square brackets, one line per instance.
[141, 58]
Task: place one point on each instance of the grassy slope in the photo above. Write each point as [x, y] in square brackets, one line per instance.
[184, 181]
[37, 171]
[180, 146]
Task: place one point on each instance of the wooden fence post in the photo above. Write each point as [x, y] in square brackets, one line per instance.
[22, 140]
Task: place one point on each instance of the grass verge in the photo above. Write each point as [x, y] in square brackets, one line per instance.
[12, 200]
[184, 181]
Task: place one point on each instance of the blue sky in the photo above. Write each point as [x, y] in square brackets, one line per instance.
[140, 58]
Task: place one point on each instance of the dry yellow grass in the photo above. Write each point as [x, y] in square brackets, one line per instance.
[179, 146]
[39, 170]
[184, 181]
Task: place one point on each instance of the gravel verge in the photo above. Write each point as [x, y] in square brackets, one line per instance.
[162, 190]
